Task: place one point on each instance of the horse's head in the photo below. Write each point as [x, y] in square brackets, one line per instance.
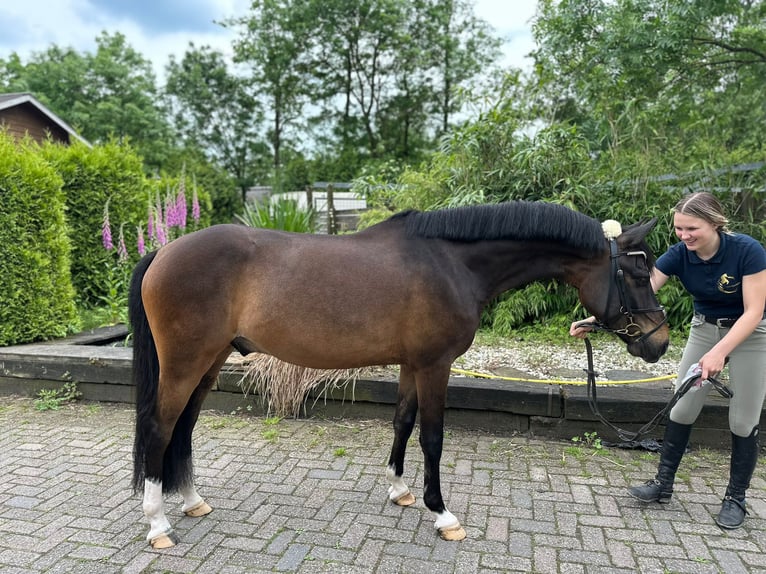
[619, 294]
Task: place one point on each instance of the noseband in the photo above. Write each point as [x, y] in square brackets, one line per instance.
[618, 275]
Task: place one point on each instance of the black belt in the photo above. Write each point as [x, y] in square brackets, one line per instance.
[722, 322]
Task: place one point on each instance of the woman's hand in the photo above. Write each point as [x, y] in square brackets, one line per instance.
[712, 363]
[580, 329]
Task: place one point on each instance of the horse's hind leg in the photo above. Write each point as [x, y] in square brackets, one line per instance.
[404, 421]
[170, 455]
[158, 437]
[194, 505]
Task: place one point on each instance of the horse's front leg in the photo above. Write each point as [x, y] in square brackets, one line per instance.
[404, 421]
[432, 396]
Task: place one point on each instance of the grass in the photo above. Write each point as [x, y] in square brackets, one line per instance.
[271, 435]
[53, 399]
[96, 317]
[575, 452]
[590, 440]
[222, 421]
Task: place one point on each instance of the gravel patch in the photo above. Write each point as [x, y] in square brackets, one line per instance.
[564, 362]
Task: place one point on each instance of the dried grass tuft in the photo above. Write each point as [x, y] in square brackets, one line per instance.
[284, 388]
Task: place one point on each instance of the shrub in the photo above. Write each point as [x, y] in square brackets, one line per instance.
[111, 173]
[285, 214]
[36, 295]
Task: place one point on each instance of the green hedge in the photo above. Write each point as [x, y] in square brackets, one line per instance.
[36, 295]
[111, 173]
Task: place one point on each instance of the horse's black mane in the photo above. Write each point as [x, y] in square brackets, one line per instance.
[515, 220]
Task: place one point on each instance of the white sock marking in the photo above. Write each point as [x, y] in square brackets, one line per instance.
[191, 497]
[152, 506]
[445, 520]
[398, 488]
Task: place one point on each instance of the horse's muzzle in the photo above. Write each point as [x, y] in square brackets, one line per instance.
[648, 350]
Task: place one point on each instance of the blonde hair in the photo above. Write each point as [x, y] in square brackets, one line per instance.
[705, 206]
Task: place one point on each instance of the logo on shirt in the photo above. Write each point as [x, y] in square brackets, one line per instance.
[726, 285]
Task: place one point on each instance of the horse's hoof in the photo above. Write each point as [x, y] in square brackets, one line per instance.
[164, 540]
[406, 499]
[200, 509]
[452, 533]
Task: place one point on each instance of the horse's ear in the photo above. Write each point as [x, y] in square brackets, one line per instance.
[649, 224]
[635, 233]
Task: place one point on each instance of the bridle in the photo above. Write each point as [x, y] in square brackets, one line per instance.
[631, 330]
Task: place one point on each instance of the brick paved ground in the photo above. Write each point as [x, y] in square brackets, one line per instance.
[310, 496]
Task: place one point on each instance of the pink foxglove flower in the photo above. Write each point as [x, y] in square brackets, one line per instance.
[141, 243]
[106, 230]
[150, 225]
[170, 212]
[159, 230]
[122, 250]
[181, 208]
[195, 206]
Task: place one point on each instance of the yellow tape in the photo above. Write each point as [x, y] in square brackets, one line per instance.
[560, 382]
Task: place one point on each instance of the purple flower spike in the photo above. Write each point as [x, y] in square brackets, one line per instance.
[162, 238]
[106, 230]
[181, 208]
[195, 206]
[141, 244]
[122, 250]
[150, 225]
[170, 212]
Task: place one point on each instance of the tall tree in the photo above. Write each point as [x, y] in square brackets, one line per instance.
[57, 77]
[389, 69]
[667, 75]
[272, 43]
[124, 100]
[354, 59]
[215, 113]
[460, 47]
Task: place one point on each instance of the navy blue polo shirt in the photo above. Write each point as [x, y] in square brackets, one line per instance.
[716, 284]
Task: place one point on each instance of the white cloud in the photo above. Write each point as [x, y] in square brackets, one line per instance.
[513, 22]
[28, 26]
[31, 26]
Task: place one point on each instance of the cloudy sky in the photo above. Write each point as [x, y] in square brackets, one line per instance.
[159, 28]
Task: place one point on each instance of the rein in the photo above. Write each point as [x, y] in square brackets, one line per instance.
[630, 436]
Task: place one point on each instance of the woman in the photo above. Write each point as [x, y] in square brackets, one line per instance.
[726, 275]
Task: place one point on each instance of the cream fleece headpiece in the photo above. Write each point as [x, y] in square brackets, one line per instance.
[612, 228]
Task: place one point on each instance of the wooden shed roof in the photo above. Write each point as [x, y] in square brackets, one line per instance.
[8, 101]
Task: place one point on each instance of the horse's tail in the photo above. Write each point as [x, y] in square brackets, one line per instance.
[146, 370]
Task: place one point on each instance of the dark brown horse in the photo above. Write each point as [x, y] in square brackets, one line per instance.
[408, 291]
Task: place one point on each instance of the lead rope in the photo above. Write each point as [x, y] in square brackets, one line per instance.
[631, 436]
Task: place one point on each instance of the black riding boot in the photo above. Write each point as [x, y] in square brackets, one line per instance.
[660, 488]
[744, 457]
